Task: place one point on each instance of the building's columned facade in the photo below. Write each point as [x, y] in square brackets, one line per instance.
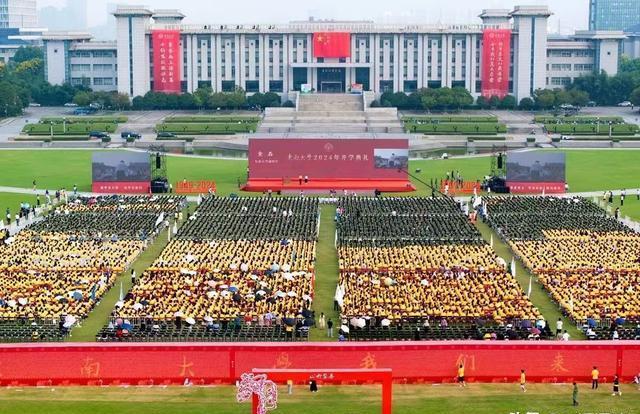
[281, 58]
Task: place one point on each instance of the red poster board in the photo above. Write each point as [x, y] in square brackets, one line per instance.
[121, 187]
[166, 61]
[496, 58]
[331, 44]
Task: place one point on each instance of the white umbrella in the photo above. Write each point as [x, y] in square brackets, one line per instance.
[344, 328]
[288, 276]
[261, 292]
[178, 314]
[385, 322]
[424, 282]
[212, 294]
[138, 306]
[11, 303]
[306, 297]
[22, 301]
[208, 319]
[190, 321]
[292, 294]
[361, 323]
[353, 321]
[286, 268]
[281, 294]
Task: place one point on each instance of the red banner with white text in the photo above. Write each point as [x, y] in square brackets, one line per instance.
[331, 45]
[166, 61]
[121, 187]
[496, 58]
[207, 363]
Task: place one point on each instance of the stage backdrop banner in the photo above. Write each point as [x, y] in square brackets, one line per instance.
[496, 56]
[166, 61]
[120, 172]
[331, 44]
[328, 158]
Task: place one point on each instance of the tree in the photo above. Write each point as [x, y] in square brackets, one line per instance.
[544, 98]
[579, 98]
[461, 97]
[494, 101]
[25, 53]
[526, 104]
[508, 102]
[82, 98]
[629, 65]
[10, 102]
[635, 96]
[482, 102]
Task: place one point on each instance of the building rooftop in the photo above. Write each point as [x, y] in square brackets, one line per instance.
[531, 11]
[124, 11]
[67, 36]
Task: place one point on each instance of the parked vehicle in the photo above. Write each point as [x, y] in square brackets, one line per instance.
[35, 105]
[625, 104]
[128, 134]
[98, 134]
[70, 105]
[166, 135]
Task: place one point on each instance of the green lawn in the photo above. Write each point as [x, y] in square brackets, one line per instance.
[587, 170]
[13, 200]
[407, 399]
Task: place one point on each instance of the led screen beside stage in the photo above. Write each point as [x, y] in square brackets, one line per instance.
[344, 158]
[533, 172]
[120, 172]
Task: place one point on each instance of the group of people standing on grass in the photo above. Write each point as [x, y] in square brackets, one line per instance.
[595, 382]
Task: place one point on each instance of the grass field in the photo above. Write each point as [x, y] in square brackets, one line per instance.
[407, 399]
[13, 200]
[587, 170]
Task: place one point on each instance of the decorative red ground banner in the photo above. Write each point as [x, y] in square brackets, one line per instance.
[496, 57]
[519, 187]
[166, 61]
[331, 45]
[119, 187]
[195, 187]
[207, 363]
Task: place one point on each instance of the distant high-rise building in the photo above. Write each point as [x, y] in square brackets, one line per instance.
[18, 14]
[613, 14]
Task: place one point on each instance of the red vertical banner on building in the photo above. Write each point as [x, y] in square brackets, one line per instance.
[166, 61]
[496, 61]
[331, 44]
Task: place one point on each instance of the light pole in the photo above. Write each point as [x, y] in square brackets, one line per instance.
[51, 126]
[64, 125]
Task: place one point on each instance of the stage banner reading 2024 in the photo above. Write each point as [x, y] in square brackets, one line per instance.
[166, 61]
[496, 58]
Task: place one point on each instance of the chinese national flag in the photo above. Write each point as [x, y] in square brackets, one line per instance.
[331, 45]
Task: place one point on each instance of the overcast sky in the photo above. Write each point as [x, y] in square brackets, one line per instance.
[568, 14]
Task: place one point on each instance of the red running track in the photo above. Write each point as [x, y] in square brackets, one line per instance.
[205, 363]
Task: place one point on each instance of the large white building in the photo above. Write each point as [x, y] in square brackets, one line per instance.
[18, 14]
[281, 58]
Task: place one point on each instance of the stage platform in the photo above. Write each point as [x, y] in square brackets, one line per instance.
[328, 184]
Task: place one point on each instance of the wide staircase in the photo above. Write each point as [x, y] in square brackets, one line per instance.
[331, 113]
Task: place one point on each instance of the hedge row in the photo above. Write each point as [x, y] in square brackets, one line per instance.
[549, 119]
[453, 118]
[457, 129]
[206, 128]
[494, 138]
[84, 119]
[55, 138]
[71, 129]
[211, 119]
[587, 129]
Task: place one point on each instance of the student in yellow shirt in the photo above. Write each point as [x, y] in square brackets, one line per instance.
[595, 374]
[461, 376]
[523, 381]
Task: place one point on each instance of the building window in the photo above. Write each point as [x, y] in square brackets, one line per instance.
[275, 86]
[252, 86]
[564, 81]
[228, 86]
[561, 67]
[583, 67]
[386, 86]
[81, 68]
[410, 86]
